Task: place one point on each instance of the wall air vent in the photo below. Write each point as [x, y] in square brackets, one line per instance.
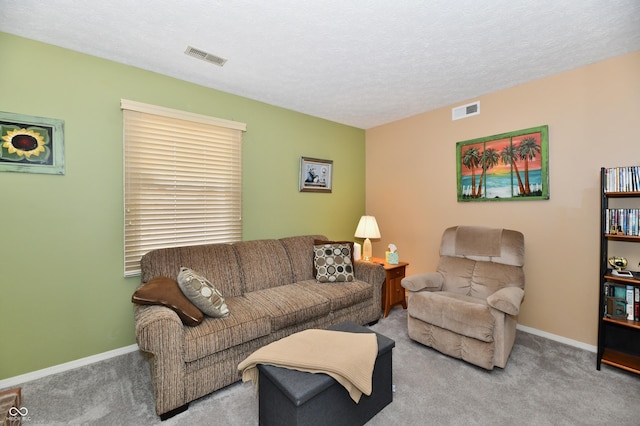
[205, 56]
[465, 111]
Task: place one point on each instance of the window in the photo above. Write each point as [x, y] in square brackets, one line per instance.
[182, 180]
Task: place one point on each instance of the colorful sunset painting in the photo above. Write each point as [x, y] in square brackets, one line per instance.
[509, 166]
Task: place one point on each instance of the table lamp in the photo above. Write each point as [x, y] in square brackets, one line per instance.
[367, 228]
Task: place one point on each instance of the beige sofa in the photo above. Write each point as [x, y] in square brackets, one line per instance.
[271, 292]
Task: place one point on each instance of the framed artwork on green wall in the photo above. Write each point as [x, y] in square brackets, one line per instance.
[315, 175]
[506, 167]
[31, 144]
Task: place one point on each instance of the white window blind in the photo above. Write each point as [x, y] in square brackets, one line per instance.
[183, 180]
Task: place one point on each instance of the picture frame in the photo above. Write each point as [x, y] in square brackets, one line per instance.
[31, 144]
[511, 166]
[316, 175]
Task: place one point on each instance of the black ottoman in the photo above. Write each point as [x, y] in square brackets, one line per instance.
[291, 397]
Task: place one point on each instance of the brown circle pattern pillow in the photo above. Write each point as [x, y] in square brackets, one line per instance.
[202, 293]
[333, 262]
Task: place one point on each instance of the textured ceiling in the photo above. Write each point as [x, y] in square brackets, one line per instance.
[358, 62]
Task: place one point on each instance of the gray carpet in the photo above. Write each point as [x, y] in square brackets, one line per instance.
[544, 383]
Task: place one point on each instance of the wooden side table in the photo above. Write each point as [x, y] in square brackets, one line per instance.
[392, 292]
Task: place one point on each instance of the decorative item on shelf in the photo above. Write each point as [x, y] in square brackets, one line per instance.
[367, 228]
[616, 307]
[391, 256]
[618, 264]
[357, 251]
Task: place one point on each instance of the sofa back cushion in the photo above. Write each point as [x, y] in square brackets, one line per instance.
[216, 262]
[263, 264]
[300, 252]
[489, 277]
[478, 261]
[457, 273]
[496, 245]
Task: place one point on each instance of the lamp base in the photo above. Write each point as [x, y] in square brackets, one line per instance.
[366, 250]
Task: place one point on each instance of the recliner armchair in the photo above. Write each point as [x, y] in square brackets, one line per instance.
[468, 309]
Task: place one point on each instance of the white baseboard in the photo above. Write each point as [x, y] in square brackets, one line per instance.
[555, 337]
[38, 374]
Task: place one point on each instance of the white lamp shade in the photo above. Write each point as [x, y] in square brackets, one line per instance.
[367, 228]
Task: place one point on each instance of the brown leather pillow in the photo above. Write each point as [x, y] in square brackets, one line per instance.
[166, 292]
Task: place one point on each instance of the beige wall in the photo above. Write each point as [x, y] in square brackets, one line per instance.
[592, 114]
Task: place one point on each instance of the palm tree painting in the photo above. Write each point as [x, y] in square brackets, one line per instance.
[471, 160]
[509, 166]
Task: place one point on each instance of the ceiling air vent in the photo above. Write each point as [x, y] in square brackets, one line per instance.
[465, 111]
[205, 56]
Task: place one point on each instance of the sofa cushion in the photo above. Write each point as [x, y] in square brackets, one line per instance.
[300, 252]
[216, 262]
[289, 305]
[263, 264]
[166, 292]
[333, 261]
[246, 321]
[340, 295]
[458, 313]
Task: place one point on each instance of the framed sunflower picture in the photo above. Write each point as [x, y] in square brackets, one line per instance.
[31, 144]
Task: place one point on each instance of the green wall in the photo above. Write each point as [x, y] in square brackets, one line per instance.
[63, 295]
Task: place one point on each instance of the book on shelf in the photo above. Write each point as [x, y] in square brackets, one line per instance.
[636, 304]
[615, 290]
[620, 291]
[622, 221]
[622, 179]
[605, 291]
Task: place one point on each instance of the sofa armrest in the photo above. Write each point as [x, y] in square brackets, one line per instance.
[160, 332]
[507, 300]
[374, 274]
[153, 321]
[431, 281]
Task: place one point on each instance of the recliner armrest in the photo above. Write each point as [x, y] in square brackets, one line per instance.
[431, 281]
[507, 300]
